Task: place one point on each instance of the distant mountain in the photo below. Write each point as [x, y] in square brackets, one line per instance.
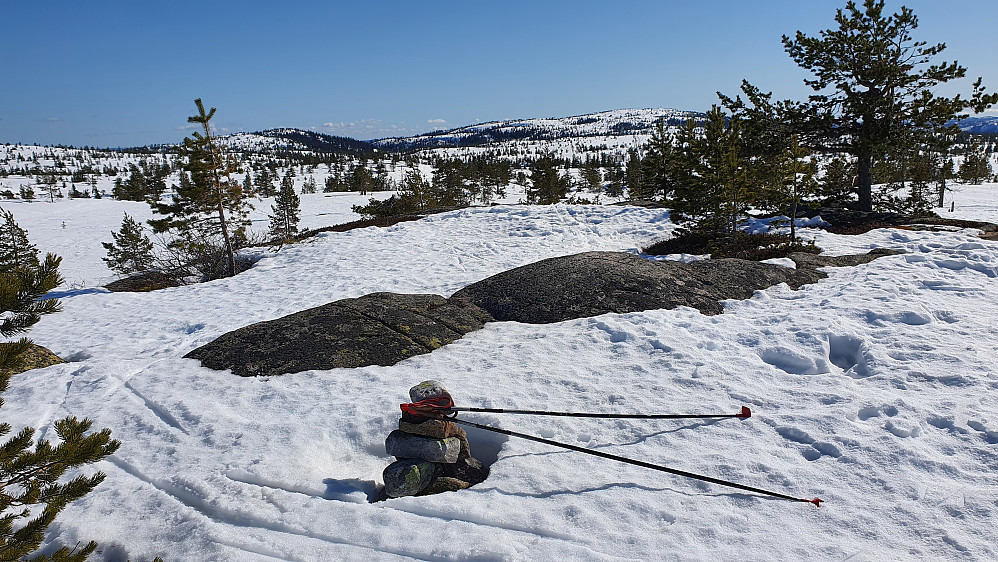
[296, 140]
[594, 128]
[987, 124]
[612, 133]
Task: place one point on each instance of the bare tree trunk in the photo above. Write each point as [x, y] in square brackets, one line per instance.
[230, 255]
[864, 182]
[793, 221]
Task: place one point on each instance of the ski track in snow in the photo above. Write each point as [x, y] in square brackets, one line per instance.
[870, 389]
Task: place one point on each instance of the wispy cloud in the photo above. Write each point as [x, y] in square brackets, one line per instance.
[374, 128]
[355, 127]
[53, 120]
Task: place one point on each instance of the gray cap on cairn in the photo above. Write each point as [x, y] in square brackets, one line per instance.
[433, 454]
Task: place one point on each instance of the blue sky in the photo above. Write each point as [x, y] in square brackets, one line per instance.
[126, 73]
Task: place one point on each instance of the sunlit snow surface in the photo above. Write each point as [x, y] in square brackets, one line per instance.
[873, 390]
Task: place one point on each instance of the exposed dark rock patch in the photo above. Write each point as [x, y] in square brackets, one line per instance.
[35, 357]
[813, 261]
[857, 222]
[594, 283]
[381, 222]
[385, 328]
[587, 284]
[143, 282]
[376, 329]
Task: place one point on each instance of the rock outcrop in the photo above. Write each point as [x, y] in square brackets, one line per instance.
[376, 329]
[385, 328]
[594, 283]
[36, 357]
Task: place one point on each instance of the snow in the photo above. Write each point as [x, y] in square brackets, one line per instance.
[869, 389]
[607, 133]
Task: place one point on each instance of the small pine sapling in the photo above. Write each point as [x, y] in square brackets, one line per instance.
[798, 181]
[131, 250]
[286, 209]
[23, 280]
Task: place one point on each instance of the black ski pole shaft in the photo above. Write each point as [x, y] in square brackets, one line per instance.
[815, 501]
[744, 413]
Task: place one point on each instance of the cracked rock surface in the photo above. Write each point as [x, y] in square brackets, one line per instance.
[593, 283]
[375, 329]
[385, 328]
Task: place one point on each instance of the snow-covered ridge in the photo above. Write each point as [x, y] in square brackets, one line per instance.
[614, 123]
[294, 140]
[984, 124]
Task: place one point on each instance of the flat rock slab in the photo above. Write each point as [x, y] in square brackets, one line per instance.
[385, 328]
[376, 329]
[813, 261]
[594, 283]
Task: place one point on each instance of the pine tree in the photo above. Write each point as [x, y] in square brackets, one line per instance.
[286, 210]
[134, 188]
[712, 194]
[309, 186]
[448, 187]
[633, 175]
[873, 84]
[657, 179]
[248, 182]
[131, 250]
[23, 281]
[547, 186]
[15, 249]
[798, 182]
[975, 167]
[29, 478]
[835, 187]
[415, 191]
[207, 205]
[766, 128]
[592, 177]
[360, 179]
[264, 183]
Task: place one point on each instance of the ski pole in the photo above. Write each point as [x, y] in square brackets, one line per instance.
[443, 406]
[744, 413]
[815, 501]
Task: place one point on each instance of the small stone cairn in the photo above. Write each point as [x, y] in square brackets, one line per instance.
[433, 455]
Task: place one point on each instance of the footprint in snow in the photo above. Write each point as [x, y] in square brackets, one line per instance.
[989, 435]
[815, 449]
[868, 412]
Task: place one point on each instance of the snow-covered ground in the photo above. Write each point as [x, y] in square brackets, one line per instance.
[870, 390]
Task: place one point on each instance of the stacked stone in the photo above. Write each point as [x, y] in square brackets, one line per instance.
[433, 455]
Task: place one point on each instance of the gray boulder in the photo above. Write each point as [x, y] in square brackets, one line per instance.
[437, 429]
[443, 484]
[376, 329]
[470, 470]
[594, 283]
[428, 389]
[402, 445]
[408, 477]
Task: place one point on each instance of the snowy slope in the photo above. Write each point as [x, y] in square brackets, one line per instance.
[602, 124]
[870, 389]
[611, 133]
